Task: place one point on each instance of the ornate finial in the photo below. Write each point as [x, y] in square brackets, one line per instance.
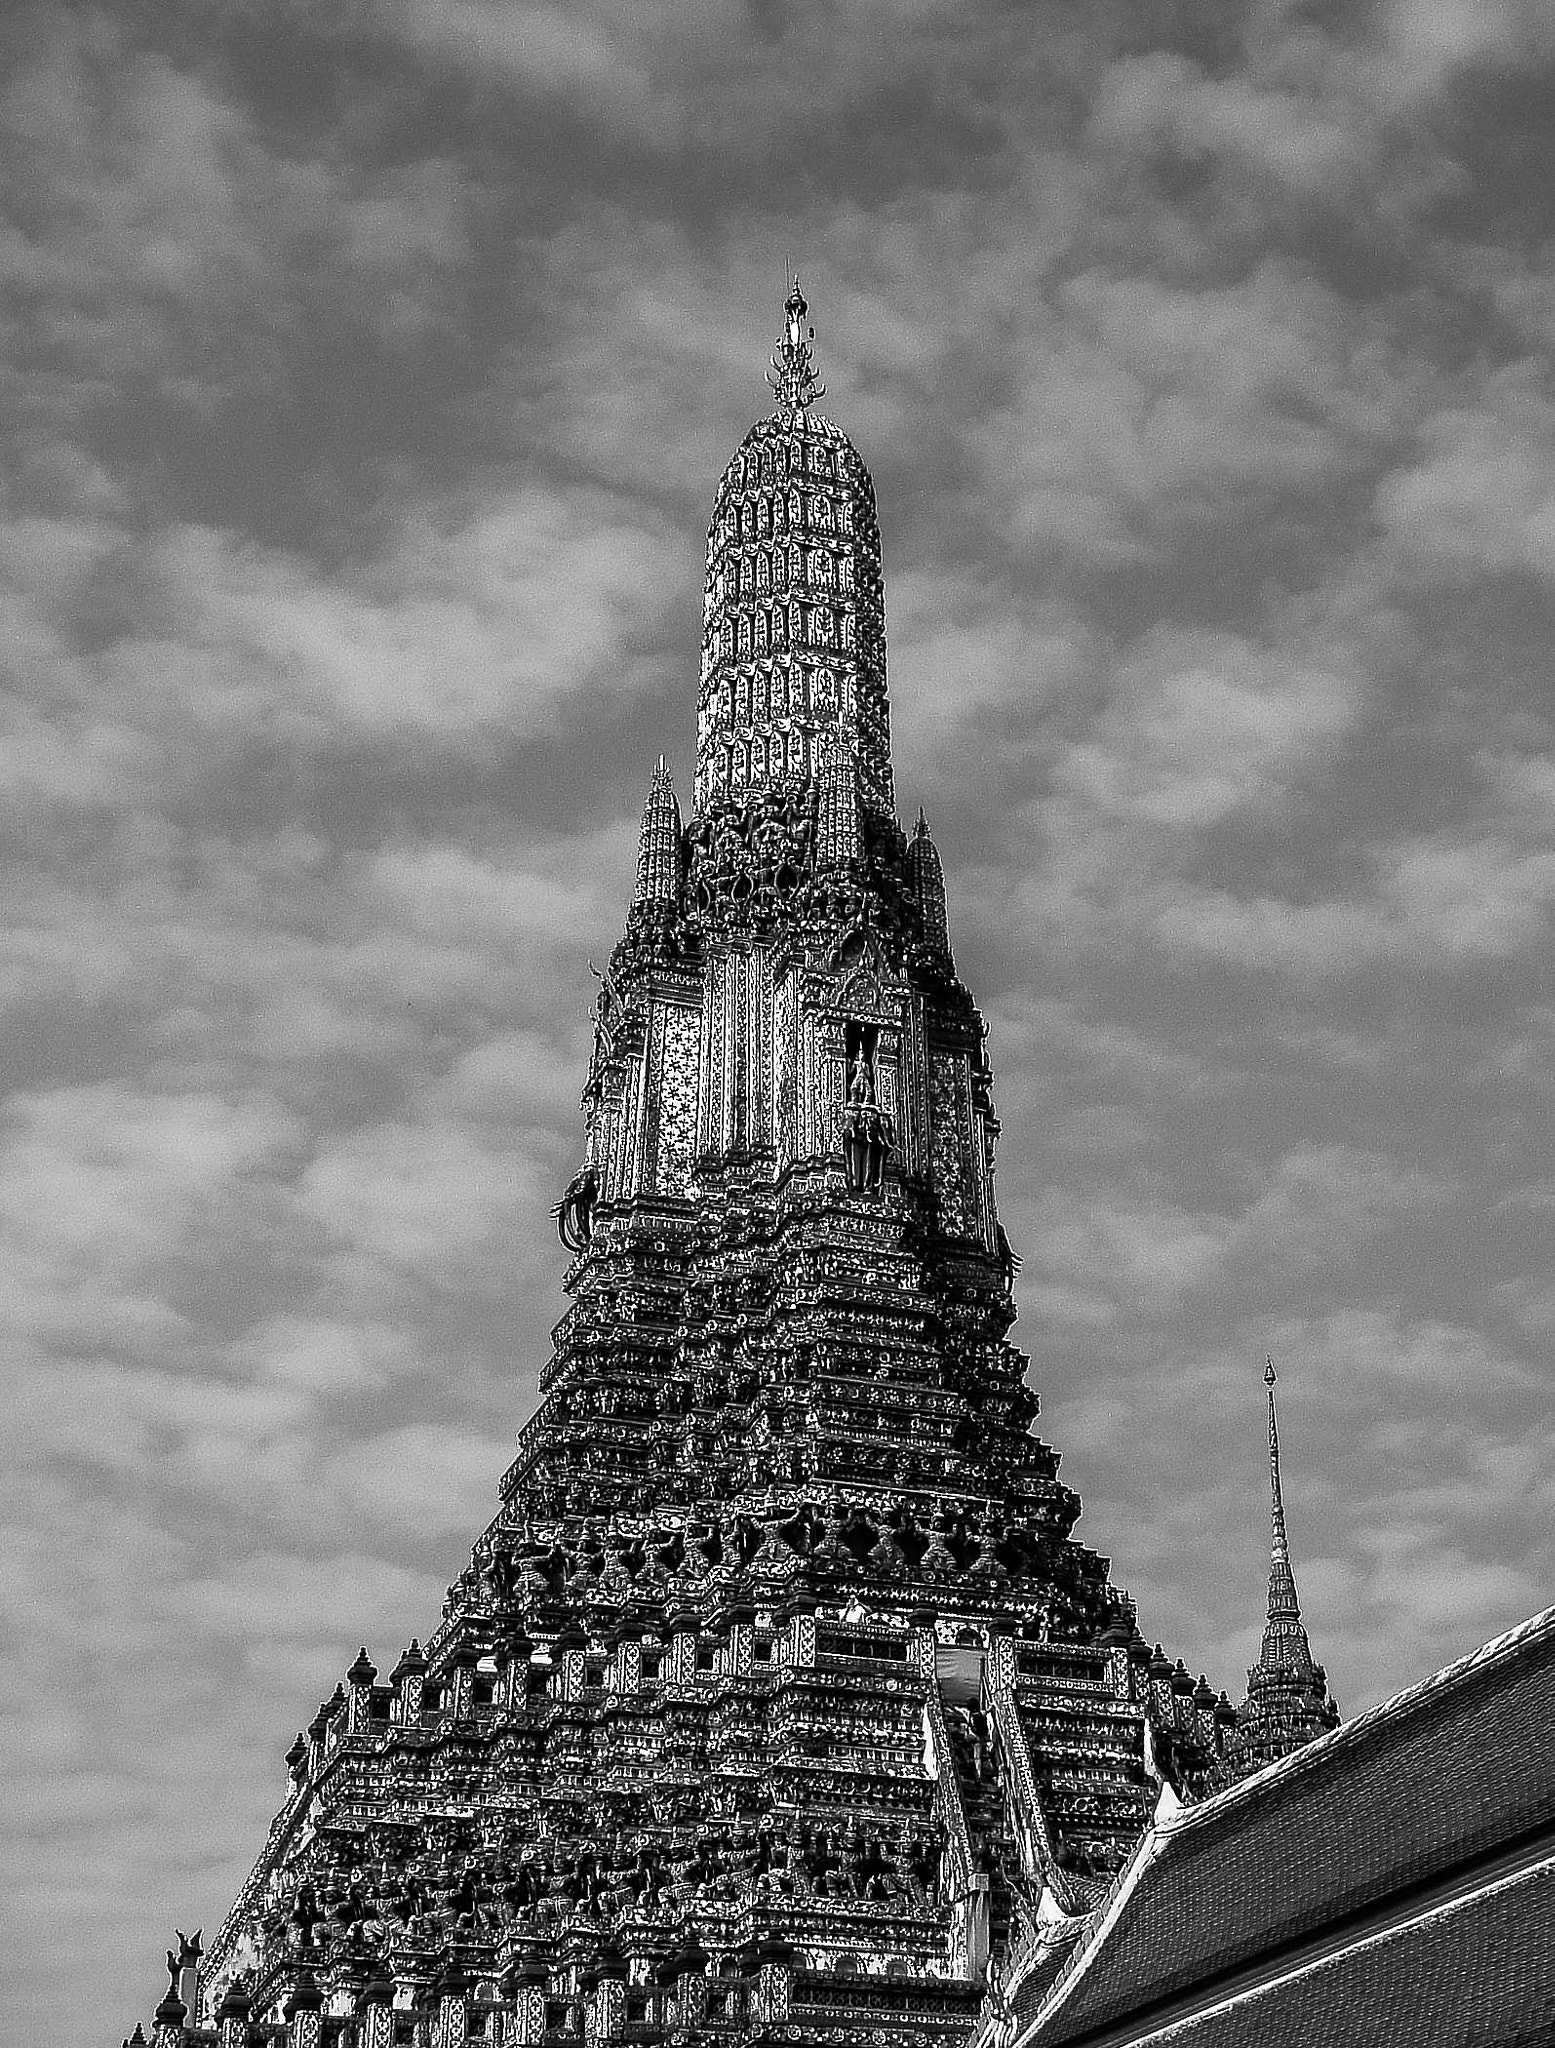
[792, 375]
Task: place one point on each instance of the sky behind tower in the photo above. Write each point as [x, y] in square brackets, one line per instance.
[368, 369]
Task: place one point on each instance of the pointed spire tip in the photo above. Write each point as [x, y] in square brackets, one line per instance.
[793, 376]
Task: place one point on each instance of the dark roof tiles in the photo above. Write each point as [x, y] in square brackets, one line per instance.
[1479, 1974]
[1455, 1769]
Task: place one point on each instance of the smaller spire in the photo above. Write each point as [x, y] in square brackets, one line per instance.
[306, 1995]
[412, 1664]
[658, 846]
[1284, 1608]
[235, 2001]
[1287, 1701]
[379, 1988]
[792, 375]
[928, 876]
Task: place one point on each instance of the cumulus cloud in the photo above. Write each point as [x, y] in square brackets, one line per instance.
[1430, 42]
[1288, 119]
[1200, 728]
[973, 673]
[697, 78]
[1479, 496]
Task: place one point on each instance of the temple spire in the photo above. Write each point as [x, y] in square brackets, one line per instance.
[923, 864]
[793, 613]
[792, 375]
[658, 845]
[1287, 1701]
[1284, 1608]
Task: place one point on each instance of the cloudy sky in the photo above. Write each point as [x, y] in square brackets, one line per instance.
[368, 367]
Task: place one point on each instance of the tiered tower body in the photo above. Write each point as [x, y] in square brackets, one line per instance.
[778, 1693]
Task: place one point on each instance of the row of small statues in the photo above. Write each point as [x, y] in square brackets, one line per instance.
[428, 1897]
[605, 1476]
[957, 1542]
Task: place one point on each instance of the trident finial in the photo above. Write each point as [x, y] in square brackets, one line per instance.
[792, 375]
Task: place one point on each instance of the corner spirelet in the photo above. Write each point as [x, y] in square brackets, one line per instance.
[658, 845]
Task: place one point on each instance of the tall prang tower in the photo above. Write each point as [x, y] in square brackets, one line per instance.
[778, 1701]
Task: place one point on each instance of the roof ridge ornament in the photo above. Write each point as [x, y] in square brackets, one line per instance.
[793, 376]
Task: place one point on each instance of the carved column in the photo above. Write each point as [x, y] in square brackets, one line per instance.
[453, 2015]
[232, 2016]
[408, 1678]
[359, 1693]
[528, 2022]
[375, 2008]
[306, 2012]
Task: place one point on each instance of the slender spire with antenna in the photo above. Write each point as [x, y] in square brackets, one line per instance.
[1284, 1630]
[1287, 1701]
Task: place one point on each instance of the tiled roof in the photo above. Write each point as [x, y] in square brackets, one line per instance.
[1456, 1769]
[1036, 1974]
[1481, 1971]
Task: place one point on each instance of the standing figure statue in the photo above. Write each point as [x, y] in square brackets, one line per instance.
[866, 1132]
[861, 1082]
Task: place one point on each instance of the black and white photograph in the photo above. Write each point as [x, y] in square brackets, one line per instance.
[777, 1101]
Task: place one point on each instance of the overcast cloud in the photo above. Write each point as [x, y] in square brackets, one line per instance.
[368, 368]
